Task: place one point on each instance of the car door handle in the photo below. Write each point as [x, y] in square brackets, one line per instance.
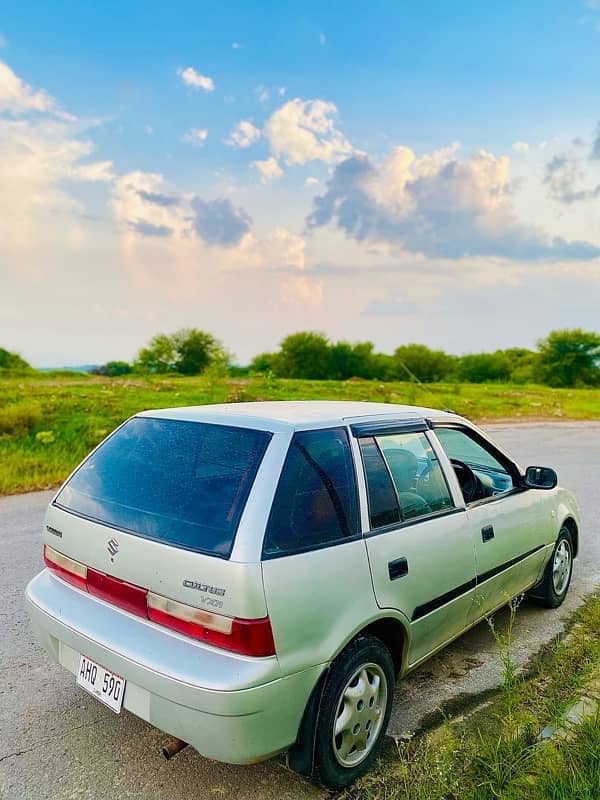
[397, 568]
[487, 533]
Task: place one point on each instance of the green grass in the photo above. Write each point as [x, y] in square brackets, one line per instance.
[47, 424]
[494, 754]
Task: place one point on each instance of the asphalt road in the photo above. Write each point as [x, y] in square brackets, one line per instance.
[56, 742]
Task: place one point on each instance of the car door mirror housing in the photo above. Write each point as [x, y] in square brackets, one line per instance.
[540, 478]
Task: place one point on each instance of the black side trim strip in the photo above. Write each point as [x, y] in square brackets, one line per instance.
[382, 427]
[485, 576]
[438, 602]
[447, 597]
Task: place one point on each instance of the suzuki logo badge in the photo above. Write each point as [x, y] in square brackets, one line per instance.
[113, 548]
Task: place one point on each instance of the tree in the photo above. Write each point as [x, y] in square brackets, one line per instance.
[304, 355]
[484, 367]
[188, 351]
[569, 357]
[195, 351]
[523, 364]
[12, 362]
[351, 360]
[412, 361]
[264, 362]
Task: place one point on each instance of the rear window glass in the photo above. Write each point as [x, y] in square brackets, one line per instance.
[182, 483]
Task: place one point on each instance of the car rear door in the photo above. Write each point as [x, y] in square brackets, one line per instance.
[418, 537]
[315, 567]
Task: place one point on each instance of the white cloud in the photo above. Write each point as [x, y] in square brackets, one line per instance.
[18, 97]
[197, 136]
[310, 181]
[437, 206]
[141, 206]
[37, 161]
[520, 147]
[194, 79]
[303, 130]
[243, 134]
[269, 169]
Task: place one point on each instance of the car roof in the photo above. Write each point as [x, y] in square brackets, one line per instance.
[282, 415]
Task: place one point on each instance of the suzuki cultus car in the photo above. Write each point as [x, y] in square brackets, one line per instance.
[252, 578]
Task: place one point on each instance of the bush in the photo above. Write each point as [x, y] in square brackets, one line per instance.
[19, 419]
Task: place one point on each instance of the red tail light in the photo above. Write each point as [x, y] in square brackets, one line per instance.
[249, 637]
[120, 593]
[69, 570]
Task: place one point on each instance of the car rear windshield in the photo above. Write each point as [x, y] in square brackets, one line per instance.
[182, 483]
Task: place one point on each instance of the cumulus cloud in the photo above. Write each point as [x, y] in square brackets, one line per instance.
[197, 81]
[436, 205]
[196, 137]
[563, 174]
[17, 97]
[140, 205]
[38, 160]
[219, 223]
[311, 181]
[243, 134]
[304, 130]
[269, 169]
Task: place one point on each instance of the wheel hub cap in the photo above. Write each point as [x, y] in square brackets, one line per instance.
[561, 569]
[359, 715]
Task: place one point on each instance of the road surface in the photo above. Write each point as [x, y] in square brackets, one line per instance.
[56, 742]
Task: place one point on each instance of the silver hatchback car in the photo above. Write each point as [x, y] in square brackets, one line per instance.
[251, 578]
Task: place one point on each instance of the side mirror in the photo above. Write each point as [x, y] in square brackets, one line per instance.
[540, 478]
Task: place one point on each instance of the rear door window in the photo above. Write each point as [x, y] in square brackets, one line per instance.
[182, 483]
[404, 478]
[316, 502]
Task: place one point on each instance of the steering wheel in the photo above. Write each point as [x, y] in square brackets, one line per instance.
[469, 484]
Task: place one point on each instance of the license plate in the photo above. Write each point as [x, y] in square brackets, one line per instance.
[105, 685]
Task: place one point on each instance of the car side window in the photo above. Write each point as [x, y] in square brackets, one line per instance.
[404, 478]
[493, 477]
[316, 500]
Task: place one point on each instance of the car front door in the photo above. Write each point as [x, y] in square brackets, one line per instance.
[418, 538]
[508, 526]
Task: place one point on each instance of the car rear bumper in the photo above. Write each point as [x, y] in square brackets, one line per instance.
[230, 708]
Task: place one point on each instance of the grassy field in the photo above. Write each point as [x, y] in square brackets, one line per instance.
[48, 424]
[494, 753]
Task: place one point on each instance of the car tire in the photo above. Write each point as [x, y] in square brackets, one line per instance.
[354, 712]
[553, 588]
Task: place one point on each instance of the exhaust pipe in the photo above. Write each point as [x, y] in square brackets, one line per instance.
[172, 747]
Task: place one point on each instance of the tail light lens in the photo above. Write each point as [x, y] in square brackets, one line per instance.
[120, 593]
[67, 568]
[249, 637]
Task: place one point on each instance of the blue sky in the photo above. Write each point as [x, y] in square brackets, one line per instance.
[393, 171]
